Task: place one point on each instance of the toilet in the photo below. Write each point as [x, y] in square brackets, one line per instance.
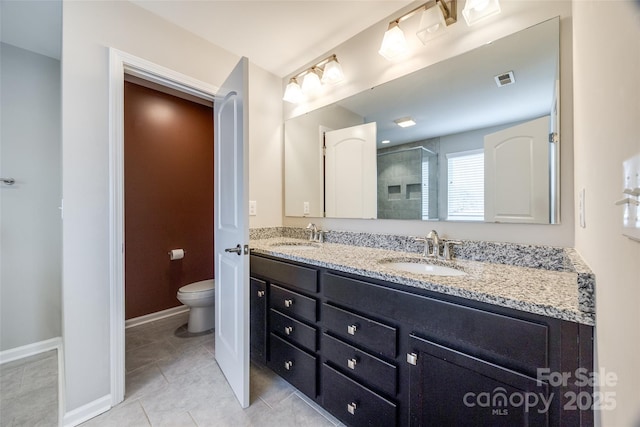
[200, 298]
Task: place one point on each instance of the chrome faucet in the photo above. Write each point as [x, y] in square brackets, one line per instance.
[435, 244]
[432, 246]
[315, 234]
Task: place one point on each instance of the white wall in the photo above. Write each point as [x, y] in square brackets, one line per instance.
[607, 129]
[265, 151]
[364, 68]
[30, 267]
[89, 29]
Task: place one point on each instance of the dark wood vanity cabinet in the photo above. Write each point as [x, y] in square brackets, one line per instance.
[374, 353]
[258, 320]
[448, 387]
[291, 332]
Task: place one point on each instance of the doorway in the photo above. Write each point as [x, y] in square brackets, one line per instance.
[168, 191]
[121, 64]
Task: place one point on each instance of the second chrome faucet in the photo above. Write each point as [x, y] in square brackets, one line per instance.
[432, 245]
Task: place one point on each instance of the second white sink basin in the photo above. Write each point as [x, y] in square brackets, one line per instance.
[424, 268]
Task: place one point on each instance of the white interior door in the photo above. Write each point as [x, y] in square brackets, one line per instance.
[517, 173]
[232, 232]
[351, 172]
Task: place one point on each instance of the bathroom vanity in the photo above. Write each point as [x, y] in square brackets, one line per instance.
[375, 346]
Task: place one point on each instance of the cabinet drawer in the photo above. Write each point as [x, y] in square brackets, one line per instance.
[374, 336]
[366, 368]
[293, 303]
[354, 404]
[294, 330]
[294, 365]
[303, 278]
[516, 343]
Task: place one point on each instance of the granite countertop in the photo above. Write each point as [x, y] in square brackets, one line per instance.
[550, 293]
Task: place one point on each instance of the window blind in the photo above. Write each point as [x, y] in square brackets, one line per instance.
[465, 189]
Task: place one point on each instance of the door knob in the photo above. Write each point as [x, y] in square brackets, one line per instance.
[237, 250]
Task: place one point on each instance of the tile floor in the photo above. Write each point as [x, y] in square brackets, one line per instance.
[29, 391]
[173, 380]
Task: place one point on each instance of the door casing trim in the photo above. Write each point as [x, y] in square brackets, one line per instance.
[121, 63]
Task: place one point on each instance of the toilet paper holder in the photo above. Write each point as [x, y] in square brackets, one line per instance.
[176, 254]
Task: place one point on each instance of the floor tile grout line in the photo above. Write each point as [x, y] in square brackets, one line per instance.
[193, 419]
[265, 402]
[314, 406]
[144, 411]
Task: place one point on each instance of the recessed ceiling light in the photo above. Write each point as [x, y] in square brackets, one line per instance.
[405, 122]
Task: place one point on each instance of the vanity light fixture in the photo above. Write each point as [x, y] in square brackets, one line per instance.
[405, 122]
[293, 92]
[330, 70]
[311, 81]
[436, 16]
[476, 10]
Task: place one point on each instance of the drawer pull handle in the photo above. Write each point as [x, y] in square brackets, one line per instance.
[412, 359]
[260, 294]
[288, 330]
[351, 363]
[288, 303]
[288, 365]
[351, 329]
[351, 408]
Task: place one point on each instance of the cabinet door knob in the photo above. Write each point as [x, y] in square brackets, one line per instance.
[288, 365]
[288, 330]
[288, 303]
[351, 329]
[351, 408]
[351, 363]
[260, 294]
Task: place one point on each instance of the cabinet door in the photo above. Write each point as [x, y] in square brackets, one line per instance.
[452, 388]
[258, 314]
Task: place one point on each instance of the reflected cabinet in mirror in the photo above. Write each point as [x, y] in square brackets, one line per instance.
[472, 138]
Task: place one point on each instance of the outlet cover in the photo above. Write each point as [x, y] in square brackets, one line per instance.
[305, 208]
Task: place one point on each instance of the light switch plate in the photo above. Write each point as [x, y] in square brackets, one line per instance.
[253, 208]
[305, 208]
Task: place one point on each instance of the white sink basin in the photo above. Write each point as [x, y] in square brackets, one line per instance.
[424, 268]
[294, 245]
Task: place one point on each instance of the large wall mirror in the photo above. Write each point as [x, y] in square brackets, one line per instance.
[472, 138]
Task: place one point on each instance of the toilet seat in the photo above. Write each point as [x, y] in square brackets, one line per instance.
[202, 288]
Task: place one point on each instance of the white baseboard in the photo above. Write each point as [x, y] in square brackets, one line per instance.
[86, 412]
[30, 350]
[155, 316]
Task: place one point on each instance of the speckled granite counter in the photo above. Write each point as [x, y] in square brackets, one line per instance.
[565, 294]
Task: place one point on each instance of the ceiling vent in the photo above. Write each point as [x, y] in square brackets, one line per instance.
[505, 79]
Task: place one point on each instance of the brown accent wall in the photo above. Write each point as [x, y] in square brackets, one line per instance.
[168, 170]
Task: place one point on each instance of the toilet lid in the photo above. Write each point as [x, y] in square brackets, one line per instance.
[203, 285]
